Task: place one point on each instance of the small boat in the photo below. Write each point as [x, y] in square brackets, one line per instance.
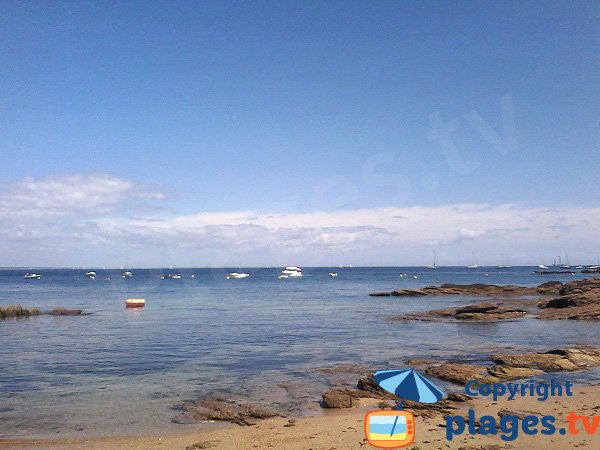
[170, 276]
[333, 274]
[236, 275]
[135, 303]
[473, 266]
[434, 265]
[543, 267]
[126, 274]
[32, 276]
[291, 272]
[91, 275]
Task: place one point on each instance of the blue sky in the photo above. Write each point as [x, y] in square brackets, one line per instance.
[295, 108]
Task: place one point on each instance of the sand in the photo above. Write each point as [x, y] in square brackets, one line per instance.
[343, 429]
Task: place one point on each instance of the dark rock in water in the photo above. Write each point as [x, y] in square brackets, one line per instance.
[65, 312]
[569, 359]
[380, 294]
[484, 312]
[408, 293]
[577, 300]
[223, 410]
[18, 311]
[474, 290]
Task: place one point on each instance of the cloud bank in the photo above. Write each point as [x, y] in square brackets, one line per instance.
[103, 220]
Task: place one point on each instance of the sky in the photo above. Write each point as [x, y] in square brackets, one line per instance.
[221, 133]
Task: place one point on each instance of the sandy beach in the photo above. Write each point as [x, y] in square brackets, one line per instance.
[344, 430]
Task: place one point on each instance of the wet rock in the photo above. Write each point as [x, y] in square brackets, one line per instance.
[223, 410]
[65, 312]
[380, 294]
[477, 289]
[417, 362]
[577, 300]
[18, 311]
[408, 293]
[550, 287]
[458, 372]
[554, 360]
[483, 312]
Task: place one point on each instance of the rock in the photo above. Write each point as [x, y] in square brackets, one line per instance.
[201, 445]
[417, 362]
[223, 410]
[458, 372]
[512, 373]
[408, 293]
[65, 312]
[577, 300]
[18, 311]
[549, 287]
[554, 360]
[520, 414]
[338, 398]
[477, 289]
[483, 312]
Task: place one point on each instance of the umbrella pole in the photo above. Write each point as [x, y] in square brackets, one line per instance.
[398, 406]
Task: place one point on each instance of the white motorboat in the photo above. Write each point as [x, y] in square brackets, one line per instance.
[291, 272]
[127, 274]
[473, 266]
[91, 275]
[333, 274]
[32, 276]
[542, 266]
[171, 276]
[237, 275]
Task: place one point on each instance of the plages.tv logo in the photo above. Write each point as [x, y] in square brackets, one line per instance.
[396, 428]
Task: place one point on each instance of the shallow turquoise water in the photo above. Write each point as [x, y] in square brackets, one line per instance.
[122, 371]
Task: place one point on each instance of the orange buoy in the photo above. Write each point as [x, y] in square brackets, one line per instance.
[135, 302]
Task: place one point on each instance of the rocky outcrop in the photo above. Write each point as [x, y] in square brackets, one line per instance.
[482, 312]
[18, 311]
[223, 410]
[569, 359]
[339, 398]
[458, 372]
[577, 300]
[475, 290]
[65, 312]
[518, 366]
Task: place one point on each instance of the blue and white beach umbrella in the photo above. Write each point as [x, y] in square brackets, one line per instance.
[408, 384]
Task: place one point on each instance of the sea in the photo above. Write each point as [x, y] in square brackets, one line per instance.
[260, 339]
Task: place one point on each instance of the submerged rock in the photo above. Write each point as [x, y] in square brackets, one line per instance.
[65, 312]
[223, 410]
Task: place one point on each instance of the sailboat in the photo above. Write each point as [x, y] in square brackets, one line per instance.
[473, 265]
[502, 264]
[434, 265]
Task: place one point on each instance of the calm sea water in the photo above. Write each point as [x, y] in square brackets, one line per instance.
[260, 338]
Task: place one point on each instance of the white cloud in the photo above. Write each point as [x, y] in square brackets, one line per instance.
[95, 194]
[82, 220]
